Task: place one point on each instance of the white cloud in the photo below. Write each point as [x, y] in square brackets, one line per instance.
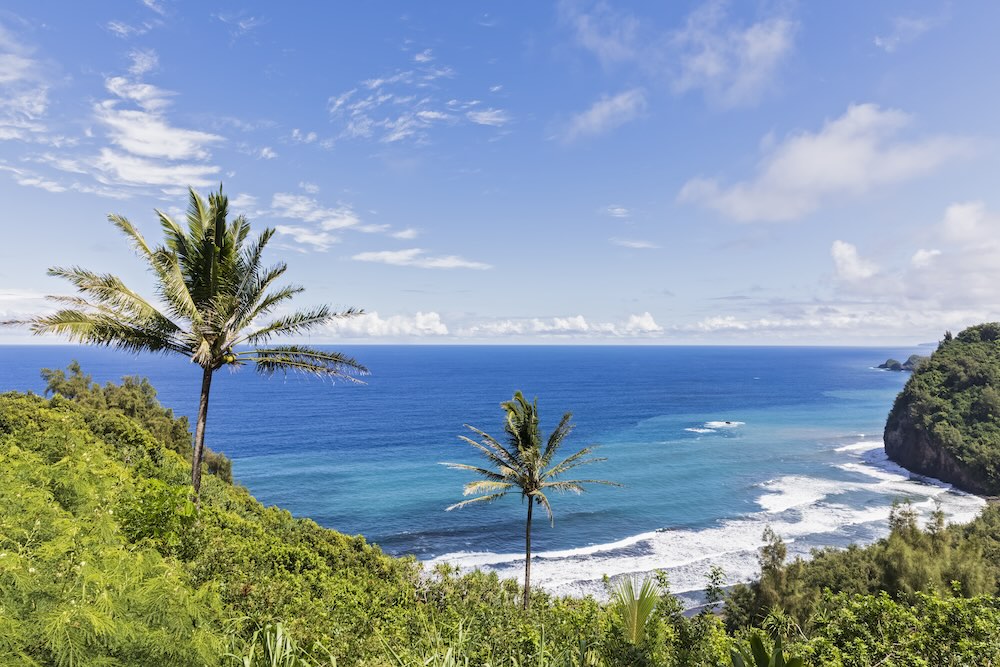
[316, 239]
[242, 202]
[300, 137]
[633, 243]
[267, 153]
[143, 61]
[850, 266]
[923, 258]
[734, 65]
[576, 326]
[424, 56]
[849, 156]
[904, 30]
[617, 211]
[123, 30]
[307, 209]
[23, 91]
[148, 134]
[405, 234]
[612, 36]
[116, 167]
[374, 326]
[491, 117]
[606, 114]
[407, 106]
[311, 188]
[30, 179]
[417, 257]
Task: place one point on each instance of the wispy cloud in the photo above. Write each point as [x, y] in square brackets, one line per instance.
[905, 29]
[424, 56]
[315, 239]
[634, 243]
[491, 117]
[418, 258]
[408, 105]
[616, 211]
[23, 90]
[606, 114]
[143, 61]
[267, 153]
[405, 234]
[307, 209]
[849, 156]
[732, 63]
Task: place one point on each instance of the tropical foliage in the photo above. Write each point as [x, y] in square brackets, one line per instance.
[522, 464]
[104, 562]
[213, 293]
[952, 401]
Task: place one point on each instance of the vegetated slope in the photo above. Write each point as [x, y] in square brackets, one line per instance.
[103, 561]
[946, 421]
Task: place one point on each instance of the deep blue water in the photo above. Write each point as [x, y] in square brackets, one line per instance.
[801, 452]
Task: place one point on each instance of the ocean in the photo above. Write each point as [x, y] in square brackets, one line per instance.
[711, 445]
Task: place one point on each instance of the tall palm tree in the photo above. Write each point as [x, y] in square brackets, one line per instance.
[213, 293]
[523, 464]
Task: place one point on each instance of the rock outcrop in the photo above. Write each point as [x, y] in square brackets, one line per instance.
[946, 422]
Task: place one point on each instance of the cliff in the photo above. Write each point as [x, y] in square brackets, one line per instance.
[946, 421]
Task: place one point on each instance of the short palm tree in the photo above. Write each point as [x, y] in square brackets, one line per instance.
[213, 293]
[523, 464]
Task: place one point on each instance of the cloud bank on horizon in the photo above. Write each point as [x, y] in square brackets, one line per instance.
[579, 171]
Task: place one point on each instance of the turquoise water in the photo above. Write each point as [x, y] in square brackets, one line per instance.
[801, 450]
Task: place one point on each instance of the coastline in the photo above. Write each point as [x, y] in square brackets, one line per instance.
[804, 512]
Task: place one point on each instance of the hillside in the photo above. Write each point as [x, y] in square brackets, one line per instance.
[104, 561]
[946, 421]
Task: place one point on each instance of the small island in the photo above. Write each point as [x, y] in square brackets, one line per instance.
[911, 364]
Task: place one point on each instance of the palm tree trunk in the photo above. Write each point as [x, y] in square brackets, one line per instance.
[199, 434]
[527, 556]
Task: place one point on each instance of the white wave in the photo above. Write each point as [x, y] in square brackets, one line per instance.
[700, 430]
[687, 555]
[725, 424]
[863, 446]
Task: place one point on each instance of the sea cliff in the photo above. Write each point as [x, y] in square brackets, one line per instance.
[946, 421]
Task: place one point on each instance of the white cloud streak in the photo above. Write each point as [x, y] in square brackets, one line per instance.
[606, 114]
[372, 325]
[417, 257]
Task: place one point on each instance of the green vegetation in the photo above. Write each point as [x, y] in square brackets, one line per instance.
[951, 404]
[214, 291]
[103, 561]
[524, 465]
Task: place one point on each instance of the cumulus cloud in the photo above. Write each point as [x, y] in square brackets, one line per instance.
[850, 266]
[849, 156]
[417, 257]
[575, 326]
[606, 114]
[375, 326]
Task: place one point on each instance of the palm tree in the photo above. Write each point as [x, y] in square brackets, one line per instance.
[213, 292]
[524, 465]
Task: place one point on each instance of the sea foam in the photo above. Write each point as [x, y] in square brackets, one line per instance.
[803, 510]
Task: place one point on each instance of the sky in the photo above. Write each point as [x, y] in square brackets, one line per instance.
[569, 172]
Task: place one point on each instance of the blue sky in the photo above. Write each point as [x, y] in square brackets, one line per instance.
[569, 172]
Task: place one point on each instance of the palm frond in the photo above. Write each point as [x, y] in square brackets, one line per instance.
[572, 461]
[556, 438]
[135, 238]
[488, 474]
[481, 499]
[513, 458]
[302, 359]
[289, 325]
[485, 486]
[493, 453]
